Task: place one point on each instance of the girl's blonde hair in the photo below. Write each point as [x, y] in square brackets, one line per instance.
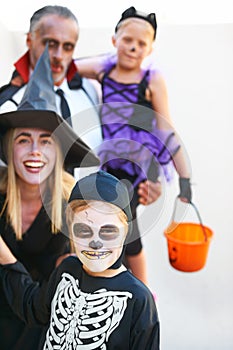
[59, 184]
[78, 205]
[122, 25]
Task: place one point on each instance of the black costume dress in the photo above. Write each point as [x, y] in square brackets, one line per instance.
[38, 251]
[85, 312]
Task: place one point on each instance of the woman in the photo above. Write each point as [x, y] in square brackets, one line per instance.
[34, 188]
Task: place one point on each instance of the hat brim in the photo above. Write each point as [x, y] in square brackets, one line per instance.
[76, 153]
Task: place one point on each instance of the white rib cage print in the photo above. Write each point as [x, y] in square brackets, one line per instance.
[83, 321]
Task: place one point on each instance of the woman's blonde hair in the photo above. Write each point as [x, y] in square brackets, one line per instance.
[79, 205]
[59, 184]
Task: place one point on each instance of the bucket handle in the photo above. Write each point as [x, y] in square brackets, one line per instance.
[198, 215]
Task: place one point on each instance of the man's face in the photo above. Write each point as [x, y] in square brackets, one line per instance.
[61, 34]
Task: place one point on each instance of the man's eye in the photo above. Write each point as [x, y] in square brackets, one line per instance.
[68, 47]
[82, 231]
[52, 44]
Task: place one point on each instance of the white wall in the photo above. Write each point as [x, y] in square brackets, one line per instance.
[195, 308]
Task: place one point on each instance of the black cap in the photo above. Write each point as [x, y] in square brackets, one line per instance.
[102, 186]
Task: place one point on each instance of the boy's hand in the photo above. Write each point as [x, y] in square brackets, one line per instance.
[6, 257]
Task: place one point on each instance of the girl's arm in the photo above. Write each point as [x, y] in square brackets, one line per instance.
[159, 97]
[91, 67]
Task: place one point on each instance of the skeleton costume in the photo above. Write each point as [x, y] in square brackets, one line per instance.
[82, 311]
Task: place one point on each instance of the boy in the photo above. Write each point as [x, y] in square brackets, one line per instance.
[91, 301]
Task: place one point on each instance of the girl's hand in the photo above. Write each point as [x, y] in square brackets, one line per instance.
[185, 194]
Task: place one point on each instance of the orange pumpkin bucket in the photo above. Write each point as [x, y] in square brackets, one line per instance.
[188, 243]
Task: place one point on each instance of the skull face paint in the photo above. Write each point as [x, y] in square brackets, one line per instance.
[98, 233]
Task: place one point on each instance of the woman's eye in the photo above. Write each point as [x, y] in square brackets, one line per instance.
[82, 231]
[46, 142]
[22, 140]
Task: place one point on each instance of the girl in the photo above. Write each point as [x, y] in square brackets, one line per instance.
[139, 138]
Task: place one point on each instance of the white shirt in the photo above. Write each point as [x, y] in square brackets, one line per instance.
[84, 115]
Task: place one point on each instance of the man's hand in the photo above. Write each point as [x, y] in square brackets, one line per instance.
[149, 192]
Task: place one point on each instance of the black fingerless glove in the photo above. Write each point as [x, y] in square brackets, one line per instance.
[185, 189]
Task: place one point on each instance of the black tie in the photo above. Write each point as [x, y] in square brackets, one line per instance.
[64, 106]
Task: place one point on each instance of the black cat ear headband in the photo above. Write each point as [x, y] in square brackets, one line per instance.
[132, 12]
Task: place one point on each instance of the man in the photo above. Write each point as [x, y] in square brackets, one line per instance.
[57, 26]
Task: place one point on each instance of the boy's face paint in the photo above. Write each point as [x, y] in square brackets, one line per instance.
[98, 237]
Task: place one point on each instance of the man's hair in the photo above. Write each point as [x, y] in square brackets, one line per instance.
[50, 10]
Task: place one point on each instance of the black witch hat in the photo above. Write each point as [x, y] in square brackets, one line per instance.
[37, 109]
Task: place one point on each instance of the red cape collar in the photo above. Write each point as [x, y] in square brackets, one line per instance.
[23, 68]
